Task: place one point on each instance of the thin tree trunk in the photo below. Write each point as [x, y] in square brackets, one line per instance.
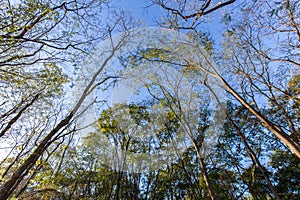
[248, 148]
[10, 185]
[204, 173]
[276, 130]
[255, 159]
[14, 119]
[210, 189]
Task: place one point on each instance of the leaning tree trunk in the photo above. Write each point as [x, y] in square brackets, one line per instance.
[255, 159]
[204, 173]
[10, 185]
[276, 130]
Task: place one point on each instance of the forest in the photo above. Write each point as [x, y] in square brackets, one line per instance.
[177, 99]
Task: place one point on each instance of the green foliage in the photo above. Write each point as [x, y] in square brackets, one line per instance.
[39, 40]
[203, 39]
[287, 170]
[256, 183]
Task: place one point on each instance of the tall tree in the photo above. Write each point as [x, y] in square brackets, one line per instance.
[33, 45]
[250, 58]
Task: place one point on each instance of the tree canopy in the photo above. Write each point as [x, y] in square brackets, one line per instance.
[213, 111]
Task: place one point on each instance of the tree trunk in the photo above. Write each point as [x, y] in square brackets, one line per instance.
[203, 170]
[276, 130]
[254, 159]
[210, 189]
[10, 185]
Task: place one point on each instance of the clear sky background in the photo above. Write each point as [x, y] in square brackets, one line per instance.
[141, 9]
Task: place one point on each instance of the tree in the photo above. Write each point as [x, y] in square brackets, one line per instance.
[176, 89]
[258, 76]
[188, 14]
[255, 66]
[41, 33]
[286, 168]
[168, 142]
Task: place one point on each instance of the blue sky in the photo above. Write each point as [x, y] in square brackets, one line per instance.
[141, 9]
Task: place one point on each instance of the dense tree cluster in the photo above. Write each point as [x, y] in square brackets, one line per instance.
[252, 151]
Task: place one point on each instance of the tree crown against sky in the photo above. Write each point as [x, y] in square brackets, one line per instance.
[256, 152]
